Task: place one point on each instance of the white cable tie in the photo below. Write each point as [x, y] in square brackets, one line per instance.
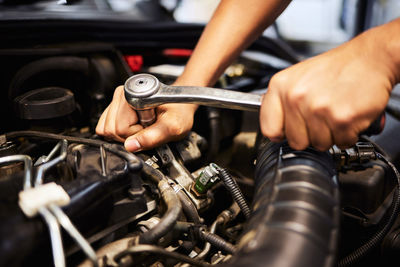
[32, 199]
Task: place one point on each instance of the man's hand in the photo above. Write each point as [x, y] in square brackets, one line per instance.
[208, 62]
[120, 122]
[331, 98]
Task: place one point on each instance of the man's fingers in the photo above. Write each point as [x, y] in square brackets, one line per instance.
[118, 120]
[110, 119]
[152, 136]
[173, 123]
[319, 133]
[272, 117]
[148, 138]
[101, 122]
[296, 129]
[126, 120]
[344, 134]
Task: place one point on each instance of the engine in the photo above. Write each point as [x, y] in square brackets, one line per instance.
[223, 195]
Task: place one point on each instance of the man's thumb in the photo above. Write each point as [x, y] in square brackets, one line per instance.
[147, 138]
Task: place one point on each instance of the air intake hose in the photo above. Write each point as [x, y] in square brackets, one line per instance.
[296, 211]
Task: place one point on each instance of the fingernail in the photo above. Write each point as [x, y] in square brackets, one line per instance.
[132, 145]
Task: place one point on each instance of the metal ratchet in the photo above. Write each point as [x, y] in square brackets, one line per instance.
[144, 93]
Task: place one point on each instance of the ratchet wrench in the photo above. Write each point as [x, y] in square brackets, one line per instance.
[144, 92]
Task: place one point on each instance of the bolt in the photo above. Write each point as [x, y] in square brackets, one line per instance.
[165, 157]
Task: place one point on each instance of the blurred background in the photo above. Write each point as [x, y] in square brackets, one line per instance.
[315, 25]
[309, 26]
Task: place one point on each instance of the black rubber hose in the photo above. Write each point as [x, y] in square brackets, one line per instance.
[296, 212]
[362, 251]
[170, 217]
[154, 174]
[217, 241]
[44, 135]
[234, 189]
[134, 162]
[188, 207]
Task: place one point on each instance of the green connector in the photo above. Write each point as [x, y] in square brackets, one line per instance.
[206, 179]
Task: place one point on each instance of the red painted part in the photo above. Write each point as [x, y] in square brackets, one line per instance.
[382, 122]
[177, 52]
[135, 62]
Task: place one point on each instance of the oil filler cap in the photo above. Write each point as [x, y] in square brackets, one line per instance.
[44, 103]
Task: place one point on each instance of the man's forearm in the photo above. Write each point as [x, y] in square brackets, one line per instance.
[234, 25]
[387, 37]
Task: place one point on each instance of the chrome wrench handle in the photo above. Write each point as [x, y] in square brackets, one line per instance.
[144, 93]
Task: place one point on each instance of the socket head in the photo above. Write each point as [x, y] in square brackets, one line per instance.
[141, 86]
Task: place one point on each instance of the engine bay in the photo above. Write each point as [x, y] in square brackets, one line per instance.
[223, 195]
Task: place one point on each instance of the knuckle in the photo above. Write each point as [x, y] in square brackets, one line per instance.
[319, 108]
[278, 80]
[179, 125]
[108, 133]
[120, 131]
[296, 96]
[343, 120]
[175, 129]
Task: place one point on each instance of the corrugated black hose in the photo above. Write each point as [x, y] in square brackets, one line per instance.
[217, 241]
[234, 189]
[295, 212]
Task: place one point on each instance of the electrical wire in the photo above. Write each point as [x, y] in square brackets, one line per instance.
[234, 190]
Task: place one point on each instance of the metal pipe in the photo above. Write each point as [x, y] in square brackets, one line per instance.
[74, 233]
[55, 236]
[27, 167]
[47, 165]
[207, 246]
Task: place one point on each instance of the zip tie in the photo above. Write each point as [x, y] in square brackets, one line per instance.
[32, 199]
